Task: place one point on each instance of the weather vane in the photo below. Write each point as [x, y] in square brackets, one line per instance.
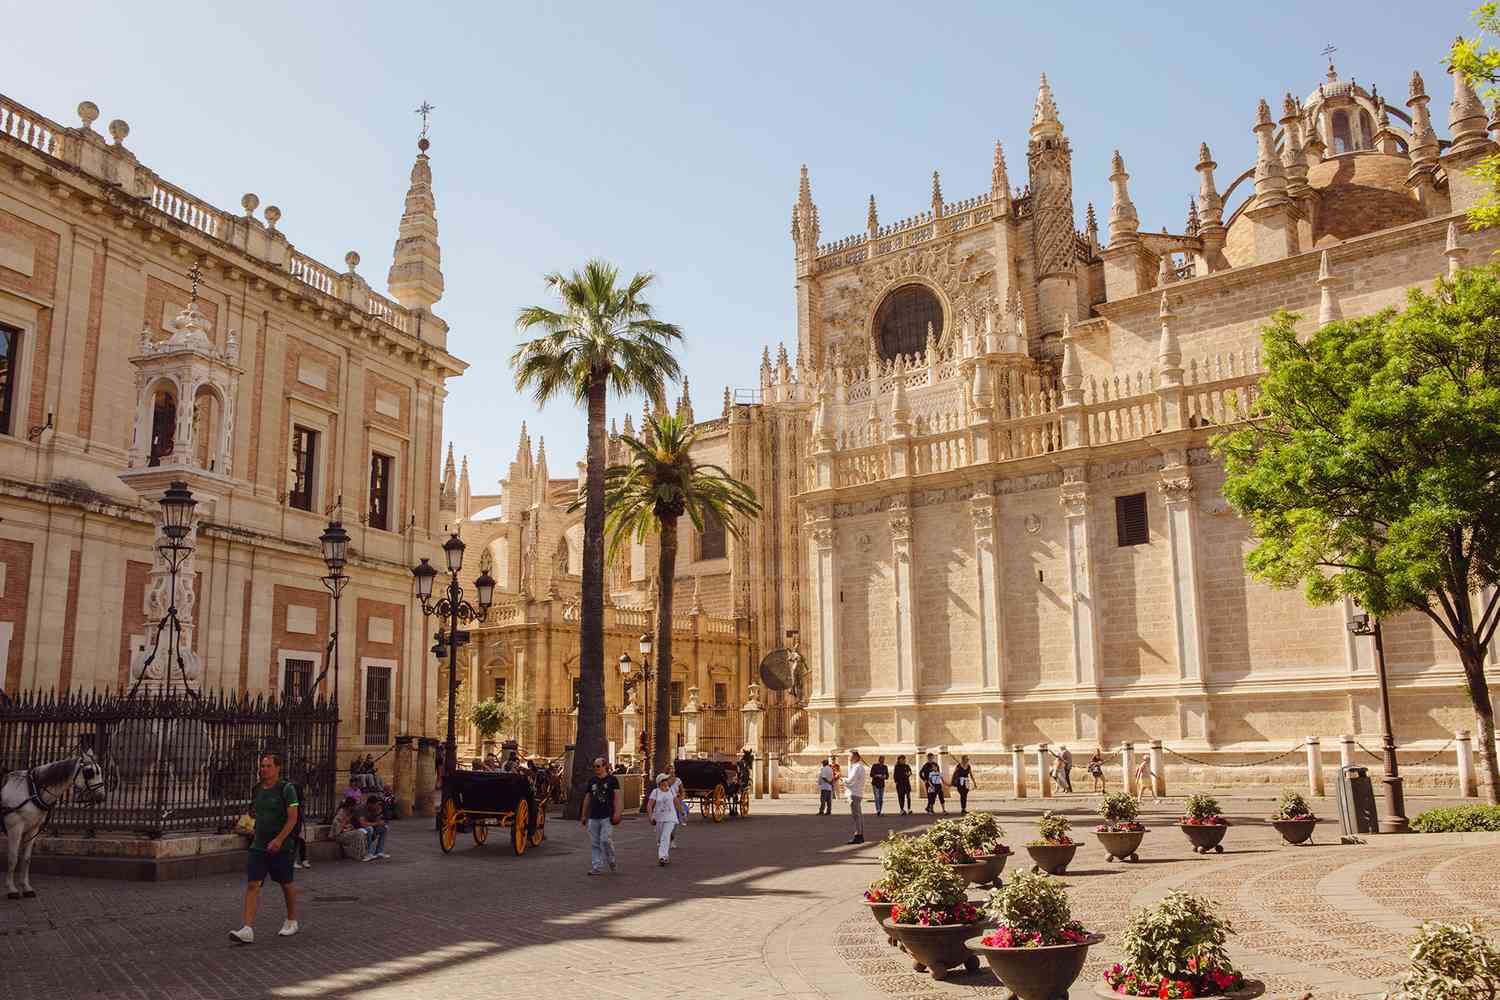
[425, 111]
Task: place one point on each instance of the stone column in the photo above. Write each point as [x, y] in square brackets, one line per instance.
[1346, 750]
[826, 604]
[1467, 786]
[991, 663]
[404, 779]
[426, 777]
[1018, 771]
[1314, 766]
[1127, 766]
[1075, 504]
[771, 768]
[906, 665]
[630, 717]
[1158, 769]
[1043, 772]
[1176, 490]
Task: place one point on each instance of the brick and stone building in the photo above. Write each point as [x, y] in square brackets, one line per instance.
[150, 337]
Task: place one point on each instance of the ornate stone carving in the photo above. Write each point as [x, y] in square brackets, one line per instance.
[1026, 484]
[1033, 524]
[1074, 500]
[1201, 456]
[1176, 489]
[1131, 467]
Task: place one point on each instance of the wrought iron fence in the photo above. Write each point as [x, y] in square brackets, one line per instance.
[720, 731]
[556, 728]
[173, 763]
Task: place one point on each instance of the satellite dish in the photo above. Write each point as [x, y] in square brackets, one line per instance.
[776, 671]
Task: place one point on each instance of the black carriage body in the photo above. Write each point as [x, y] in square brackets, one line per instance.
[491, 791]
[701, 777]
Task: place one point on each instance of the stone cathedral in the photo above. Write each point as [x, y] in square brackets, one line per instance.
[992, 515]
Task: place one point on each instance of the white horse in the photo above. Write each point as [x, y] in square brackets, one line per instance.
[27, 797]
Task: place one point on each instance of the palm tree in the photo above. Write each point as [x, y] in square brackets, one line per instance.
[661, 484]
[605, 338]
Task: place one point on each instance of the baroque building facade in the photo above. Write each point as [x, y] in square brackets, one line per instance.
[151, 337]
[992, 515]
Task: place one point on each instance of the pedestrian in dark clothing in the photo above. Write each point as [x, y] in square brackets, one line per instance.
[878, 775]
[963, 780]
[932, 780]
[902, 776]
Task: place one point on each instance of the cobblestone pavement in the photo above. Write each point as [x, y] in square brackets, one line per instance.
[764, 907]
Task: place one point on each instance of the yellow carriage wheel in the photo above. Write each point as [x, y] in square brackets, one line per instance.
[518, 833]
[540, 833]
[448, 828]
[745, 800]
[718, 806]
[481, 832]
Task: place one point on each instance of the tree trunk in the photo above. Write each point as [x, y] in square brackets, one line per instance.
[666, 573]
[1479, 694]
[590, 742]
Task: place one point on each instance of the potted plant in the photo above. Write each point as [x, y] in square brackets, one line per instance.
[901, 858]
[932, 917]
[1053, 849]
[1036, 948]
[1450, 961]
[487, 717]
[1203, 823]
[984, 840]
[1122, 831]
[1175, 948]
[1293, 818]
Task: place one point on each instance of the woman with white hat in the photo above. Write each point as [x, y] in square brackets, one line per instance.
[662, 807]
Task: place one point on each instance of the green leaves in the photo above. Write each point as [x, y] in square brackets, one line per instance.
[1179, 935]
[1031, 904]
[1119, 808]
[1451, 962]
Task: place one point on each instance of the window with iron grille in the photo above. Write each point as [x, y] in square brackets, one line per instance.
[380, 491]
[721, 695]
[713, 544]
[297, 679]
[378, 705]
[304, 464]
[10, 346]
[1130, 520]
[677, 697]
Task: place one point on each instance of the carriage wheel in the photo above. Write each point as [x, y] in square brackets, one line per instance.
[540, 833]
[480, 831]
[719, 804]
[745, 801]
[518, 833]
[448, 825]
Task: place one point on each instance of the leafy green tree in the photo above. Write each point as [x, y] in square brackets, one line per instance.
[1480, 62]
[1370, 468]
[661, 484]
[605, 338]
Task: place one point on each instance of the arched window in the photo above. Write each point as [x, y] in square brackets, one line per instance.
[902, 320]
[713, 544]
[1342, 141]
[163, 426]
[1365, 131]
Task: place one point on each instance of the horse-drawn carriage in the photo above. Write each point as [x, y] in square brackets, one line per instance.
[506, 799]
[722, 787]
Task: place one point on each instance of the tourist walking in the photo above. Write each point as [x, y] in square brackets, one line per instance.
[1145, 779]
[902, 776]
[878, 775]
[662, 808]
[1064, 769]
[601, 816]
[1096, 769]
[963, 781]
[932, 781]
[825, 789]
[682, 807]
[854, 790]
[276, 809]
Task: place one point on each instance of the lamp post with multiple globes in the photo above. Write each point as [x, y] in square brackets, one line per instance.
[1394, 820]
[643, 677]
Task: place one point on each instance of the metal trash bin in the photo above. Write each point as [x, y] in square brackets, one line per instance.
[1357, 813]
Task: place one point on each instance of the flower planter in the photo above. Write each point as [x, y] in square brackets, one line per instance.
[1036, 973]
[1252, 988]
[936, 948]
[1051, 858]
[1295, 831]
[881, 911]
[977, 872]
[1121, 845]
[995, 863]
[1205, 836]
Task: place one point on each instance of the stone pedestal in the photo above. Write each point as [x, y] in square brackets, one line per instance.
[404, 774]
[1314, 766]
[424, 781]
[1018, 772]
[1043, 772]
[1467, 786]
[1158, 769]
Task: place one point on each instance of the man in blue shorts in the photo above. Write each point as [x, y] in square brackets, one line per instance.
[274, 805]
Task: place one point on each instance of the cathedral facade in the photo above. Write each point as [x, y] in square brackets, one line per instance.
[992, 513]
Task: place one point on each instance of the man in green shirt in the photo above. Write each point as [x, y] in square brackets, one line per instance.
[274, 805]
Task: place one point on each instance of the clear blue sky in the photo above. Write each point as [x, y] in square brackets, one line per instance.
[668, 137]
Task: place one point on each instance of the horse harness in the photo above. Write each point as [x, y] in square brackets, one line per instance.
[33, 794]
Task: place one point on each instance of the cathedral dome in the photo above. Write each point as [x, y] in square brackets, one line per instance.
[1361, 193]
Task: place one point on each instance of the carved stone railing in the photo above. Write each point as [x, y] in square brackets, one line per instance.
[172, 200]
[855, 468]
[40, 133]
[907, 232]
[940, 452]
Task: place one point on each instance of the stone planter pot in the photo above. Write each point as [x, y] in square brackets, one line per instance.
[881, 911]
[978, 873]
[1121, 845]
[1051, 858]
[1252, 988]
[1036, 973]
[936, 949]
[995, 864]
[1295, 831]
[1205, 838]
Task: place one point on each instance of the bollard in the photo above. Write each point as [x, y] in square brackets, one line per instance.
[1346, 750]
[775, 788]
[1043, 772]
[1018, 771]
[1127, 768]
[1467, 786]
[1314, 766]
[1158, 770]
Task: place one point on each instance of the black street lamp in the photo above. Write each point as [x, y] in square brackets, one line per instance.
[335, 542]
[177, 505]
[454, 609]
[642, 677]
[1394, 818]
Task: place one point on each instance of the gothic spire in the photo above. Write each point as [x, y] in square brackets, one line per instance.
[1210, 205]
[937, 196]
[1466, 118]
[416, 275]
[805, 230]
[1044, 120]
[1328, 303]
[1124, 223]
[1424, 144]
[1000, 181]
[872, 219]
[1270, 178]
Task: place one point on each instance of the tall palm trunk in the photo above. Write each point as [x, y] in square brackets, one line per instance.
[590, 742]
[666, 572]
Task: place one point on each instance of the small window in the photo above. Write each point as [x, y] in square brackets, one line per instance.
[1130, 519]
[677, 697]
[163, 427]
[10, 347]
[378, 705]
[713, 544]
[577, 691]
[380, 491]
[297, 680]
[304, 464]
[500, 688]
[721, 695]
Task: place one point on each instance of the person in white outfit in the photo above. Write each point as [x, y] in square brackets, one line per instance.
[662, 808]
[854, 790]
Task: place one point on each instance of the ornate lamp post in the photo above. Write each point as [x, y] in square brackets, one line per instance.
[335, 541]
[177, 505]
[1394, 818]
[454, 609]
[642, 677]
